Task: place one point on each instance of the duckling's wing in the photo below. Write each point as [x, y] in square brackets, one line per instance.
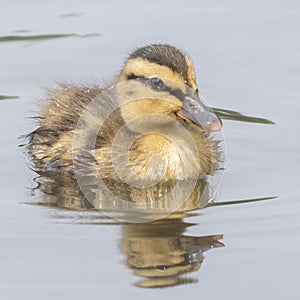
[53, 140]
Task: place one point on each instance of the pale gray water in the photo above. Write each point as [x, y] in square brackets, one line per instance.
[246, 55]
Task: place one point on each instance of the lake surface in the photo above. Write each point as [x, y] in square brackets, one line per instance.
[247, 59]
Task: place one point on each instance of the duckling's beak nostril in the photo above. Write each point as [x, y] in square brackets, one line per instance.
[195, 111]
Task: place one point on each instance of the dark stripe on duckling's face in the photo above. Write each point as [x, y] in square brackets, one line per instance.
[157, 84]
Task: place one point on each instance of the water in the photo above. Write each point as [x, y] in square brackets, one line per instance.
[246, 56]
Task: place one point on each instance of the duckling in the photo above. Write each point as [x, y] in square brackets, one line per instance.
[156, 101]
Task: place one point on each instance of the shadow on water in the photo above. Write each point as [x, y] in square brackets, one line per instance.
[42, 37]
[70, 15]
[6, 97]
[232, 115]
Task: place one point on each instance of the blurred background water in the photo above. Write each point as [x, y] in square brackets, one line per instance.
[246, 55]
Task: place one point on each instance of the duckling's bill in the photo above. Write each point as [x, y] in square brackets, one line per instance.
[195, 111]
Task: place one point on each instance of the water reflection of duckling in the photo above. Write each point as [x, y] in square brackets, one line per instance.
[160, 252]
[162, 81]
[63, 191]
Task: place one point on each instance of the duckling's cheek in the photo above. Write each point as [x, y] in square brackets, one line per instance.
[147, 113]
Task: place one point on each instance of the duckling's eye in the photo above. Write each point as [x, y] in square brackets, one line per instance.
[156, 83]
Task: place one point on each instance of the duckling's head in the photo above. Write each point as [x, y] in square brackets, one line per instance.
[160, 80]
